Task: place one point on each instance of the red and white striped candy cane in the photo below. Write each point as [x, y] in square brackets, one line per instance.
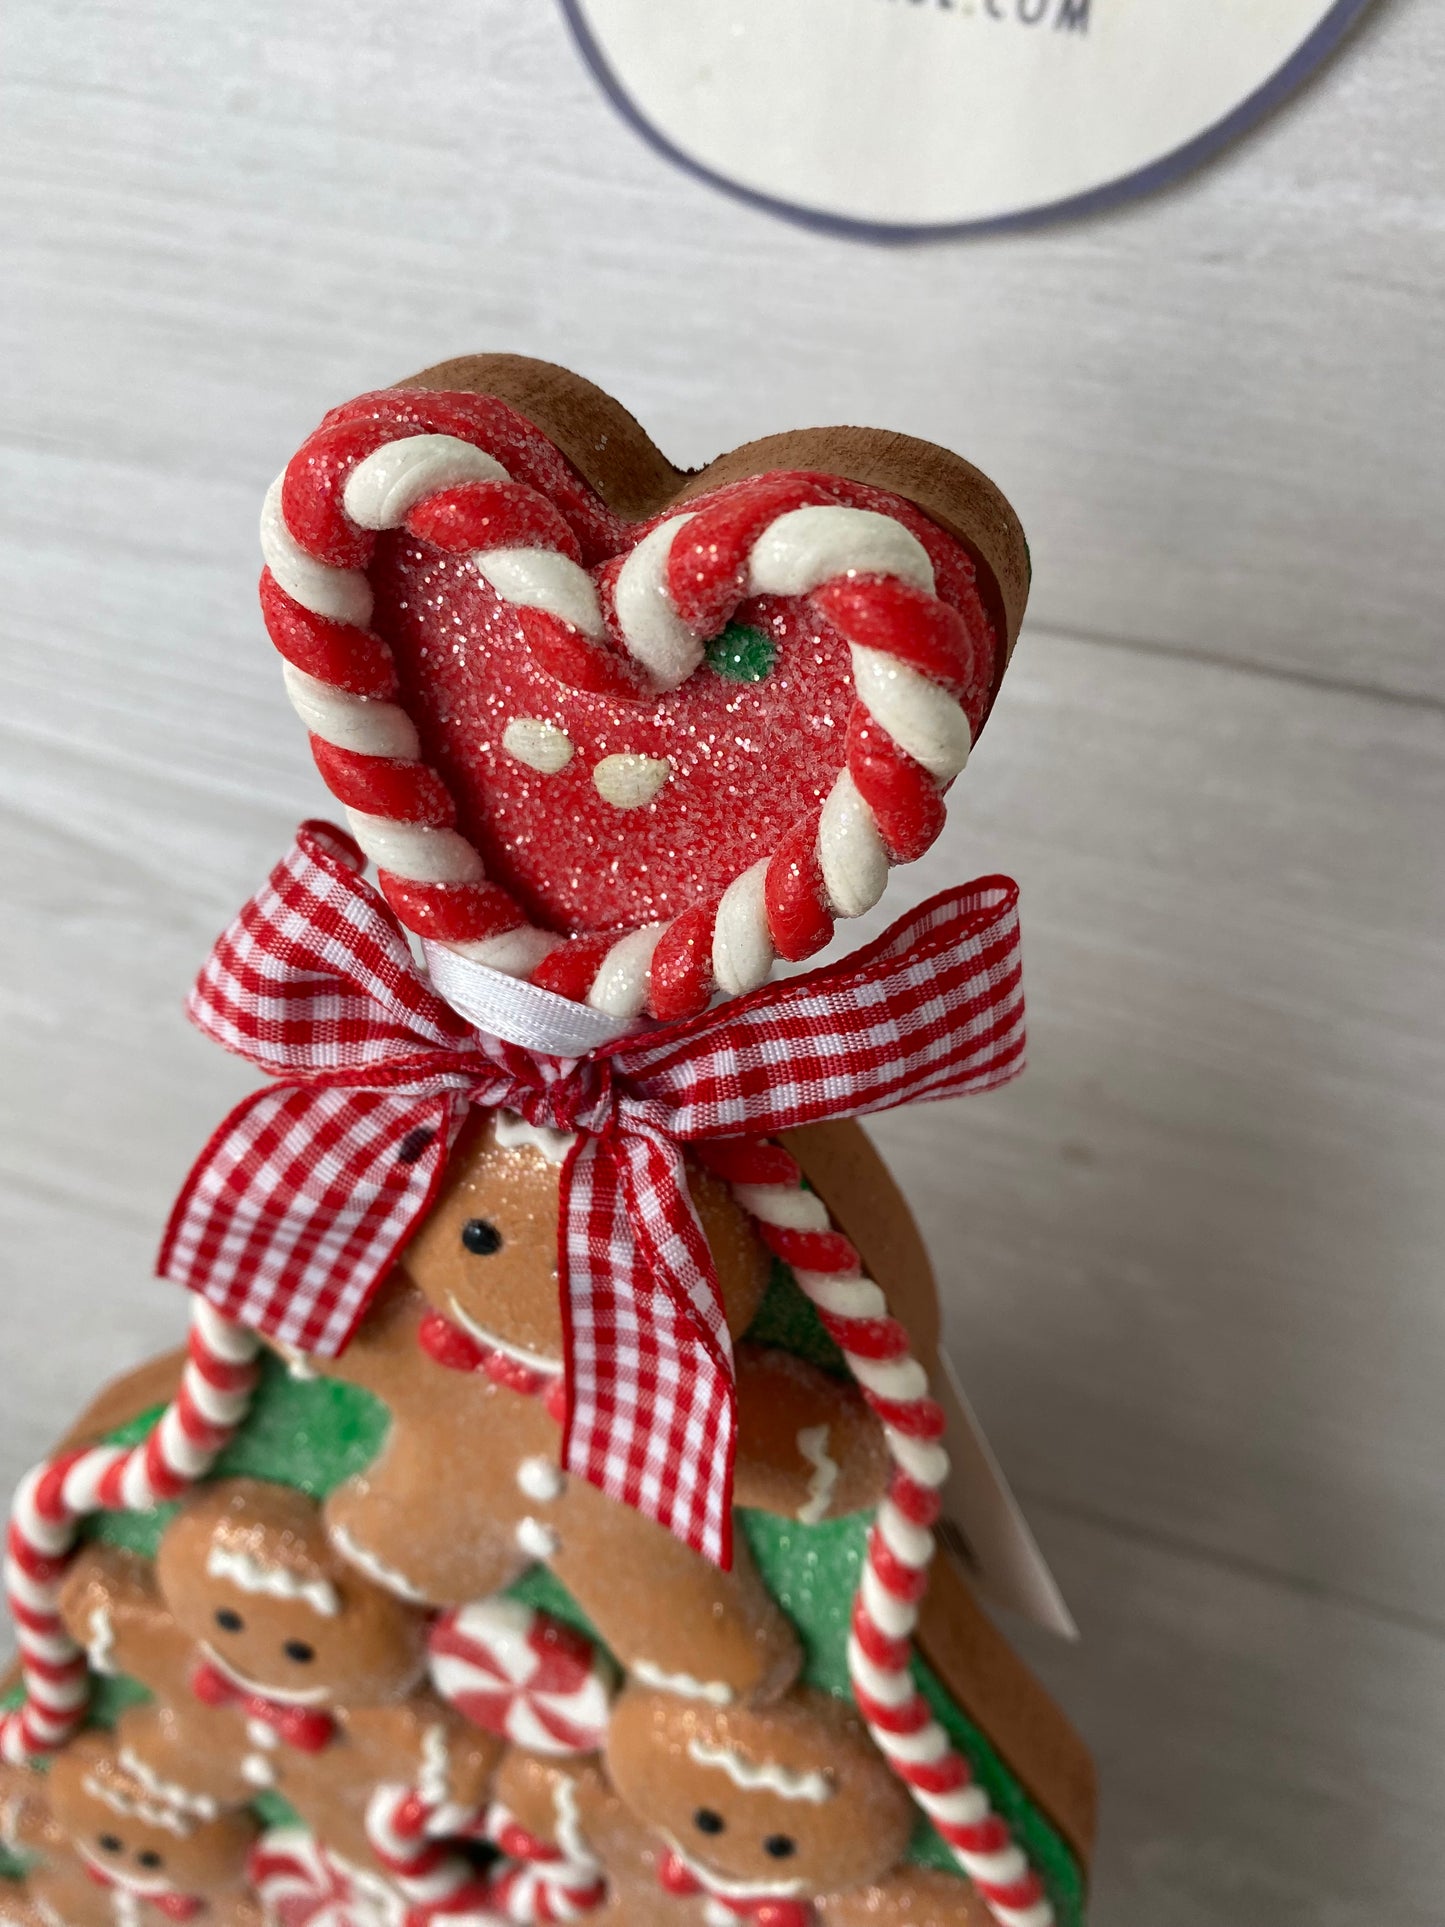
[405, 1826]
[536, 1883]
[469, 476]
[214, 1395]
[794, 1223]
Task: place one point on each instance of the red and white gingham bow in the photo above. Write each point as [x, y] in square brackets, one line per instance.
[303, 1198]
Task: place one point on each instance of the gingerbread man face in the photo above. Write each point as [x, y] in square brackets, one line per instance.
[132, 1839]
[789, 1800]
[486, 1258]
[248, 1573]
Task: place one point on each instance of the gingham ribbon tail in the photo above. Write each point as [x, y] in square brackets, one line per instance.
[305, 1195]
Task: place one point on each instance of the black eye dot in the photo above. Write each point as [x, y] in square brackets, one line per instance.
[112, 1842]
[229, 1620]
[413, 1144]
[780, 1845]
[481, 1238]
[298, 1650]
[148, 1857]
[706, 1821]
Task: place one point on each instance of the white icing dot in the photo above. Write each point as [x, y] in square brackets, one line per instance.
[540, 1479]
[538, 744]
[535, 1539]
[628, 781]
[257, 1770]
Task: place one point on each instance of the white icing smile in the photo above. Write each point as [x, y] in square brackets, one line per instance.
[128, 1883]
[726, 1889]
[285, 1696]
[534, 1361]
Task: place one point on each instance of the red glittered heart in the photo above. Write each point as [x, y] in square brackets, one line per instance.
[549, 716]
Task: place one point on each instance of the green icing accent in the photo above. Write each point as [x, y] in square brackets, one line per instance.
[788, 1319]
[12, 1865]
[272, 1811]
[742, 654]
[813, 1573]
[313, 1433]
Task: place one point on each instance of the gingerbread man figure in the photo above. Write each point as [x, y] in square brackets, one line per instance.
[775, 1805]
[133, 1858]
[275, 1663]
[465, 1347]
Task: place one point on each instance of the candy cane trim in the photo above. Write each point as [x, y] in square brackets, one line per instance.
[212, 1400]
[795, 1224]
[909, 737]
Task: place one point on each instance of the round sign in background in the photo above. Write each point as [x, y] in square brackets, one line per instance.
[912, 117]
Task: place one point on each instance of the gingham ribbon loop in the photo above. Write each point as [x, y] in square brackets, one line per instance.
[307, 1192]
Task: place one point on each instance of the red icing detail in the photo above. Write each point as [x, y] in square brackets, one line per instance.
[707, 566]
[920, 1418]
[674, 1877]
[748, 1160]
[306, 1728]
[810, 1250]
[681, 974]
[570, 968]
[882, 612]
[878, 1338]
[799, 921]
[334, 652]
[462, 913]
[492, 515]
[902, 795]
[384, 785]
[447, 1344]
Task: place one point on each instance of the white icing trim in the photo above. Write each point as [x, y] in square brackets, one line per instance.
[342, 595]
[629, 780]
[620, 987]
[792, 1208]
[540, 1479]
[568, 1826]
[810, 546]
[382, 490]
[537, 1540]
[851, 852]
[100, 1640]
[170, 1791]
[533, 1360]
[813, 1444]
[513, 1133]
[361, 723]
[243, 1569]
[768, 1775]
[544, 579]
[150, 1813]
[656, 634]
[418, 850]
[515, 953]
[389, 1578]
[742, 950]
[539, 744]
[433, 1781]
[921, 718]
[901, 1380]
[714, 1691]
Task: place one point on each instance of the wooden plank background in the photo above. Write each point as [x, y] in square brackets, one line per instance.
[1192, 1261]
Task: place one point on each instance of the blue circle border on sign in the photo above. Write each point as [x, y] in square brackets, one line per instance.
[1312, 51]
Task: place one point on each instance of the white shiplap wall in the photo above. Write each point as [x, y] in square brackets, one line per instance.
[1192, 1262]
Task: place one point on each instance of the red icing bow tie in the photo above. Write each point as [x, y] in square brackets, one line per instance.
[312, 1186]
[676, 1877]
[175, 1906]
[306, 1728]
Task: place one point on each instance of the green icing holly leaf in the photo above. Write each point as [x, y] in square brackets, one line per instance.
[741, 653]
[788, 1319]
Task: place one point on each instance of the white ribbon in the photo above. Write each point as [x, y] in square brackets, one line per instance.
[520, 1013]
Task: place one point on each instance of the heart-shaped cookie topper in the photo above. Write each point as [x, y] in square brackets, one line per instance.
[631, 734]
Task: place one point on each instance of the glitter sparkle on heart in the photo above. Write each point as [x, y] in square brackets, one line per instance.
[747, 759]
